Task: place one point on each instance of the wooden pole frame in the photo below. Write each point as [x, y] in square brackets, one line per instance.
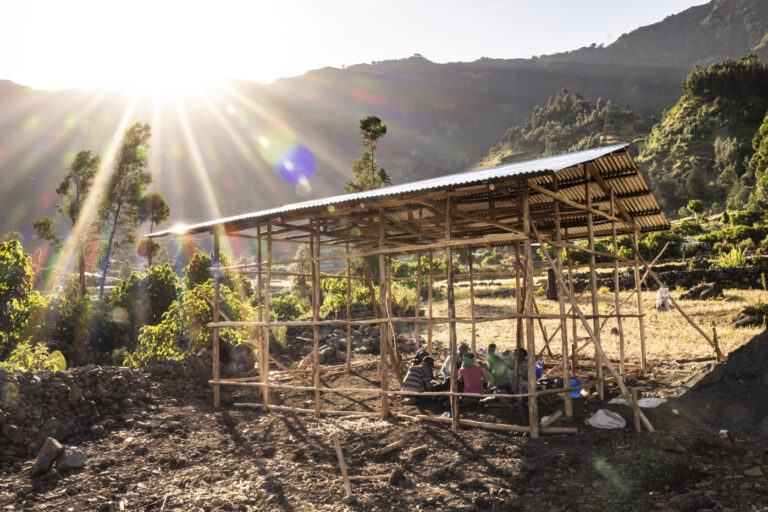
[266, 330]
[215, 330]
[349, 309]
[315, 251]
[429, 302]
[533, 406]
[616, 287]
[593, 281]
[470, 257]
[639, 292]
[383, 334]
[452, 350]
[568, 401]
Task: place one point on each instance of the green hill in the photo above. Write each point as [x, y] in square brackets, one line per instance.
[701, 147]
[568, 122]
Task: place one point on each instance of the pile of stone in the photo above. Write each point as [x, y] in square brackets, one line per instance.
[333, 342]
[84, 402]
[704, 291]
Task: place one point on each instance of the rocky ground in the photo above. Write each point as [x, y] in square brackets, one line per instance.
[154, 443]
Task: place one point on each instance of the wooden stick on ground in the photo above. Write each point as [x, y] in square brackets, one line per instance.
[556, 416]
[413, 452]
[343, 467]
[389, 448]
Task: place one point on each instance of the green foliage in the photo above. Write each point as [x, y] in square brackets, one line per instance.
[696, 207]
[34, 358]
[45, 229]
[335, 297]
[198, 272]
[688, 228]
[652, 243]
[747, 217]
[699, 148]
[154, 209]
[121, 204]
[568, 122]
[160, 342]
[491, 259]
[17, 299]
[288, 307]
[734, 234]
[758, 164]
[366, 173]
[735, 258]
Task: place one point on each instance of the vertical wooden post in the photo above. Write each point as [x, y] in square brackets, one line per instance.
[266, 334]
[215, 330]
[451, 315]
[470, 257]
[314, 250]
[429, 303]
[639, 291]
[390, 310]
[518, 321]
[561, 303]
[574, 337]
[533, 405]
[349, 311]
[259, 285]
[383, 334]
[616, 287]
[416, 314]
[593, 284]
[636, 410]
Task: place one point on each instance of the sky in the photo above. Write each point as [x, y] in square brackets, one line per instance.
[159, 44]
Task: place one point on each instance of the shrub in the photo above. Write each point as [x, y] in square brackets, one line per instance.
[734, 234]
[18, 302]
[746, 218]
[698, 264]
[688, 228]
[747, 245]
[603, 290]
[734, 258]
[289, 307]
[34, 358]
[652, 243]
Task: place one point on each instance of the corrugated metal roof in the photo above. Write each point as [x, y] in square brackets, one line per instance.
[544, 165]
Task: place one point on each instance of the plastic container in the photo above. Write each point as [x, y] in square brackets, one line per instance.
[539, 370]
[576, 393]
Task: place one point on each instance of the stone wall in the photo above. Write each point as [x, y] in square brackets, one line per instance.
[84, 402]
[674, 275]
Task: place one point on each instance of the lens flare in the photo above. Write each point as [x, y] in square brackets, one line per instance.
[303, 188]
[297, 165]
[273, 142]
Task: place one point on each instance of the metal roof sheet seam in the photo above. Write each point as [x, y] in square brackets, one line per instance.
[550, 164]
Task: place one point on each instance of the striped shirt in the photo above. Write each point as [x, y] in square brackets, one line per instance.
[418, 379]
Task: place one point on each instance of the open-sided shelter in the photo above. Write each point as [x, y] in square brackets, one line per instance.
[554, 201]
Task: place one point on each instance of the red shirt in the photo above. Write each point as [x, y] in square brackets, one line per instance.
[472, 377]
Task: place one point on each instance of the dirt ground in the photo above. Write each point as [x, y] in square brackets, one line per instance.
[181, 454]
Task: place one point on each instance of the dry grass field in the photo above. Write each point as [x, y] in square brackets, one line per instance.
[668, 335]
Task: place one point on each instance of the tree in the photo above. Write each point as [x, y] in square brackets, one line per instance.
[759, 165]
[125, 190]
[365, 171]
[696, 207]
[74, 191]
[155, 210]
[45, 230]
[17, 299]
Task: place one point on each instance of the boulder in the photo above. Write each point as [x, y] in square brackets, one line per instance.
[703, 292]
[71, 458]
[13, 433]
[50, 450]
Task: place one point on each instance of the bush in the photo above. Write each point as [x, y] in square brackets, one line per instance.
[747, 245]
[34, 358]
[652, 243]
[734, 258]
[289, 307]
[18, 302]
[698, 264]
[734, 234]
[688, 228]
[491, 259]
[746, 218]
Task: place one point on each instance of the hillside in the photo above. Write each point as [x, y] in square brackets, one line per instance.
[568, 122]
[701, 147]
[206, 152]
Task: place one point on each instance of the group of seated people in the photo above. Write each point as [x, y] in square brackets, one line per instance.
[494, 375]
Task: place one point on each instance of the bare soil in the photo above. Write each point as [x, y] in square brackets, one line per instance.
[181, 454]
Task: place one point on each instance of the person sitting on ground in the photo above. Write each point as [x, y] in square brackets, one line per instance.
[445, 370]
[472, 376]
[419, 377]
[419, 356]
